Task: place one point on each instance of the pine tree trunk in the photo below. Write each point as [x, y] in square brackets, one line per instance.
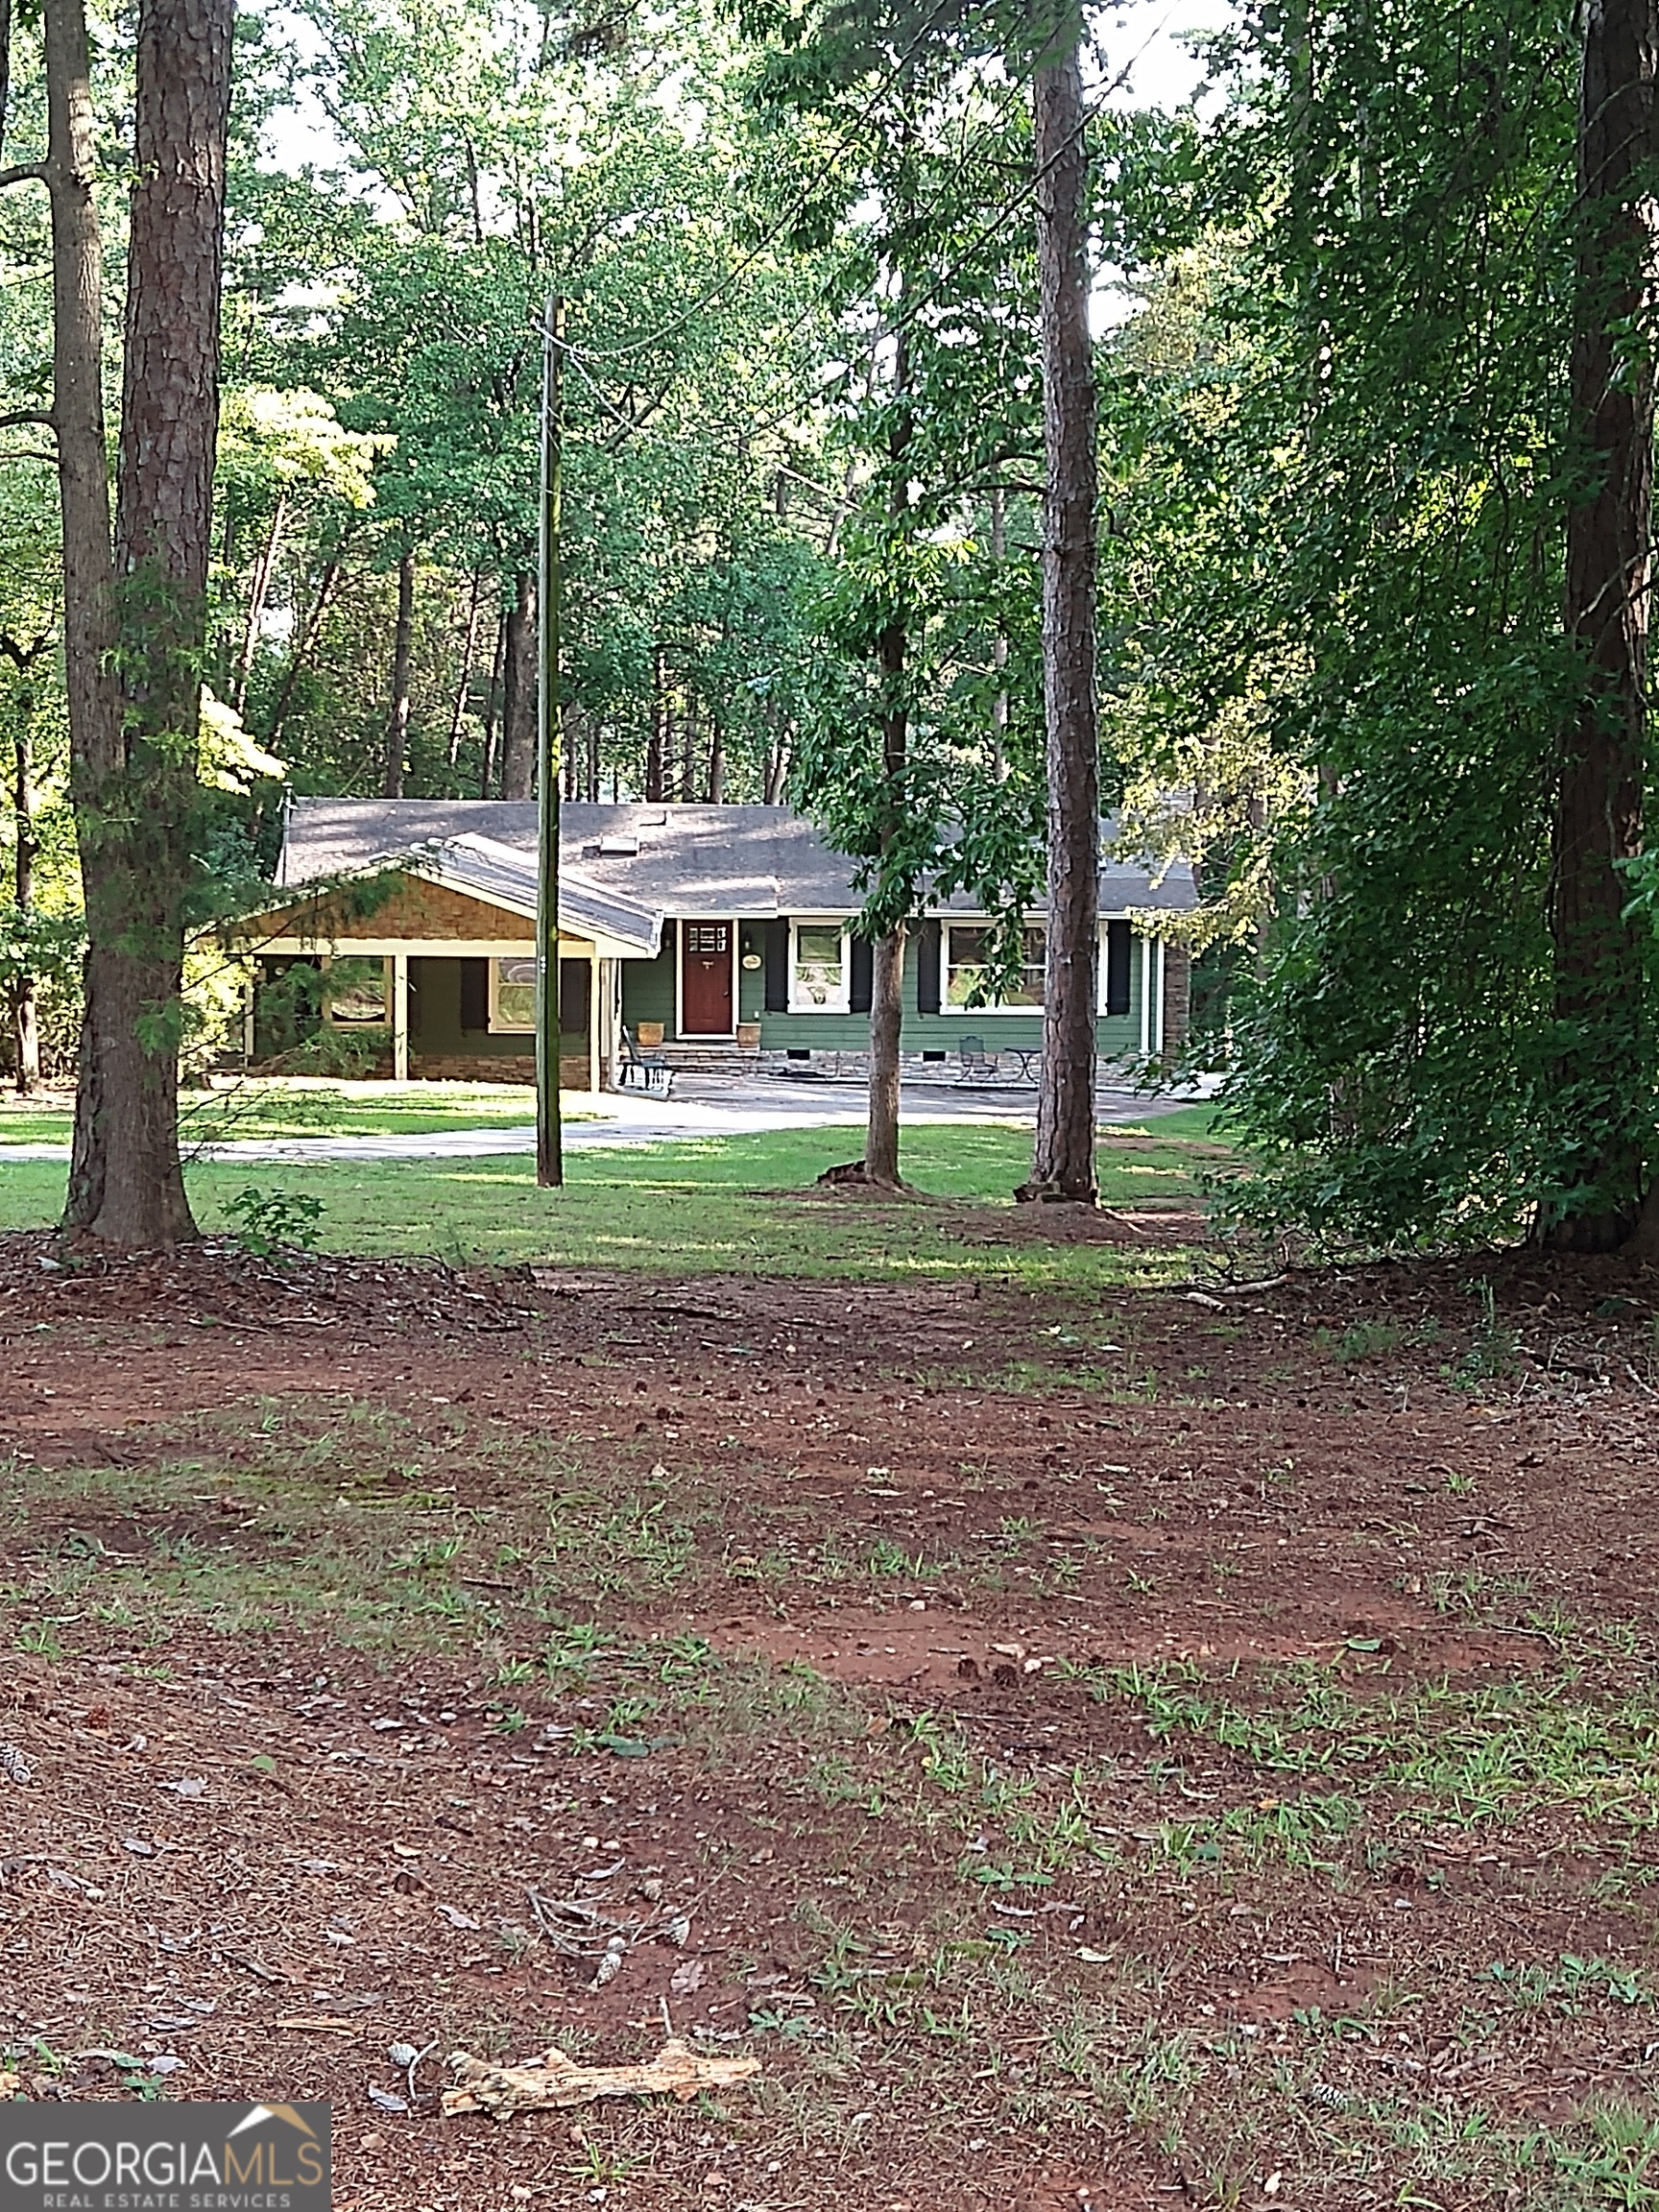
[887, 966]
[1604, 1075]
[999, 643]
[25, 1025]
[519, 693]
[492, 710]
[464, 683]
[716, 786]
[258, 592]
[303, 648]
[403, 654]
[1063, 1163]
[653, 733]
[137, 804]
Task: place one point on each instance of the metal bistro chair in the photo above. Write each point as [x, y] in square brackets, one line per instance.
[977, 1064]
[646, 1071]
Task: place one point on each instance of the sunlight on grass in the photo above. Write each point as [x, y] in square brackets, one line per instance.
[718, 1204]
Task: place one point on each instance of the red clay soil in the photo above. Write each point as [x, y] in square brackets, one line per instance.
[273, 1858]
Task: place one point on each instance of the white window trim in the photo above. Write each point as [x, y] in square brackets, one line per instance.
[842, 1001]
[680, 923]
[498, 1027]
[996, 1010]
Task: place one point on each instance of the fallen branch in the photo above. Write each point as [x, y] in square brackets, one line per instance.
[555, 2082]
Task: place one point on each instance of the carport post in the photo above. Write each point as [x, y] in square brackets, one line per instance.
[399, 1016]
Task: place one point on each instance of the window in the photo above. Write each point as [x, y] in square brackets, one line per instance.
[357, 994]
[710, 939]
[966, 955]
[819, 968]
[513, 996]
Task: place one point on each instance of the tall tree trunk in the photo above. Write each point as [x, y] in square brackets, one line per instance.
[464, 683]
[572, 746]
[653, 733]
[303, 648]
[137, 806]
[403, 654]
[25, 1025]
[777, 773]
[717, 762]
[887, 966]
[258, 592]
[999, 644]
[1063, 1161]
[594, 757]
[688, 761]
[493, 709]
[1603, 1077]
[518, 692]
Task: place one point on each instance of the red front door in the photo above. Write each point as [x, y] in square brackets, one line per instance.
[706, 979]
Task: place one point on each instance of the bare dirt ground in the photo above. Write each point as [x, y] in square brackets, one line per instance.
[1193, 1747]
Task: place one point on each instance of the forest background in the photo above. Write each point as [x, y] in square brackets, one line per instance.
[1339, 456]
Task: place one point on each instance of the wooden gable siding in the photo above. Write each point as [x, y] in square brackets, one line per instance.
[413, 909]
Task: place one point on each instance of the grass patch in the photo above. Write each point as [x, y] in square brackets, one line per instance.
[716, 1206]
[263, 1111]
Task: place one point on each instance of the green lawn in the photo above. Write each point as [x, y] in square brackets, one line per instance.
[272, 1110]
[739, 1203]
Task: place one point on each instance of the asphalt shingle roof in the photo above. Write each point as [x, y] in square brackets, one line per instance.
[742, 863]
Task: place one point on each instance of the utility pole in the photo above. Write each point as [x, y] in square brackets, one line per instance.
[549, 1131]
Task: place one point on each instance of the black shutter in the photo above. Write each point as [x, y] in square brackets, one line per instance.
[1117, 944]
[575, 977]
[777, 967]
[927, 949]
[475, 995]
[862, 982]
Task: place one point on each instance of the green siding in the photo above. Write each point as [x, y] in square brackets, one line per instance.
[648, 990]
[648, 995]
[435, 1019]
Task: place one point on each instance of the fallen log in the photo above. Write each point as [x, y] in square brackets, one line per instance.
[553, 2083]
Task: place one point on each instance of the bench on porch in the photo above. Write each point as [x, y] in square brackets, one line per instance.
[640, 1070]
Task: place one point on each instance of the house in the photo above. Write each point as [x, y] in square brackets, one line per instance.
[714, 931]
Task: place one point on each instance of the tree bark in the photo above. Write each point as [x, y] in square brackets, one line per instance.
[303, 648]
[25, 1025]
[103, 1110]
[653, 733]
[137, 794]
[258, 592]
[464, 683]
[999, 643]
[887, 965]
[402, 652]
[716, 786]
[518, 692]
[1603, 1076]
[1063, 1161]
[493, 709]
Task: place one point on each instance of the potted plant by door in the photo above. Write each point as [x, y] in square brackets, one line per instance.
[649, 1034]
[748, 1036]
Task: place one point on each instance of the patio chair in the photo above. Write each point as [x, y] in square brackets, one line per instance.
[978, 1065]
[642, 1070]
